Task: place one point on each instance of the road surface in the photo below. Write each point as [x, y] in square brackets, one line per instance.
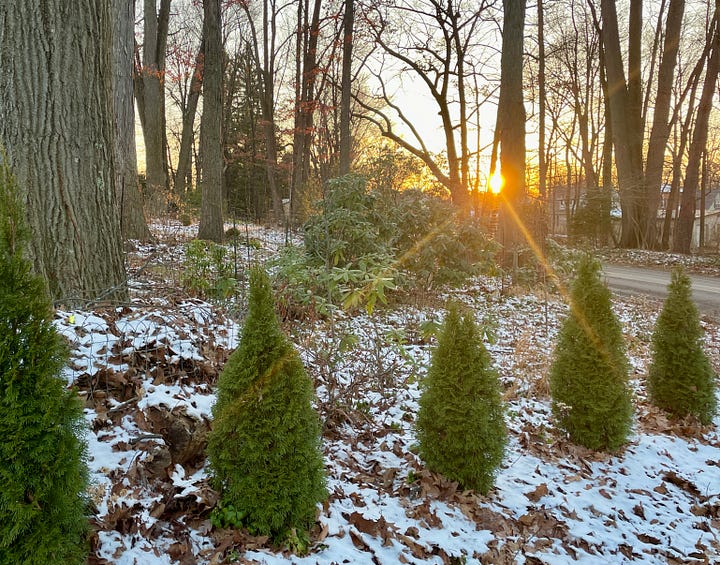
[630, 281]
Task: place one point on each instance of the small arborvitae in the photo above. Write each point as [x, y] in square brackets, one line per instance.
[588, 379]
[43, 472]
[681, 379]
[460, 424]
[265, 447]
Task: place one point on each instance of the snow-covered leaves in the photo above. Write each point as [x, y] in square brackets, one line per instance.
[148, 372]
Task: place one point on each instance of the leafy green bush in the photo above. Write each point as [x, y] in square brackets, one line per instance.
[348, 226]
[206, 273]
[364, 243]
[588, 378]
[681, 379]
[43, 475]
[433, 242]
[460, 423]
[306, 288]
[264, 448]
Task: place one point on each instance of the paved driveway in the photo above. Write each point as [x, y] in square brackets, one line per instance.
[626, 280]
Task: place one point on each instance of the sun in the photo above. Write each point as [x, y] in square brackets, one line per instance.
[496, 183]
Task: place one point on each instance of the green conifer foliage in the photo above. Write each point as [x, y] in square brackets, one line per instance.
[264, 448]
[43, 474]
[680, 379]
[460, 425]
[588, 378]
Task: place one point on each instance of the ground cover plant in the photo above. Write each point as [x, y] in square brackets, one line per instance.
[148, 370]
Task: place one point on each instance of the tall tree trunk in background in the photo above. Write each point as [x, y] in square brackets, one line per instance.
[267, 105]
[510, 128]
[463, 196]
[132, 216]
[346, 94]
[188, 124]
[542, 102]
[211, 152]
[634, 81]
[686, 219]
[628, 156]
[151, 102]
[661, 127]
[306, 72]
[606, 231]
[57, 129]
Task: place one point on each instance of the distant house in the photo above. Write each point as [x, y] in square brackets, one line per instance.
[710, 220]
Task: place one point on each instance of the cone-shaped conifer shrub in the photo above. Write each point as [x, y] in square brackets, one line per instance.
[588, 380]
[265, 448]
[681, 379]
[43, 474]
[460, 424]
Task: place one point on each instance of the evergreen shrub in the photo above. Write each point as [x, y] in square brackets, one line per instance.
[460, 424]
[264, 447]
[680, 379]
[43, 472]
[591, 400]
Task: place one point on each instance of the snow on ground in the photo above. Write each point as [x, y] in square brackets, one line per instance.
[147, 372]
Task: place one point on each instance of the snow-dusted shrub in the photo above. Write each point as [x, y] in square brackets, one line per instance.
[681, 379]
[264, 446]
[591, 399]
[460, 425]
[43, 475]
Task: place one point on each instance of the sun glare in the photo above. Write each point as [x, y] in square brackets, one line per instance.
[496, 183]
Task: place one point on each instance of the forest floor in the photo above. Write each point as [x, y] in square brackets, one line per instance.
[147, 371]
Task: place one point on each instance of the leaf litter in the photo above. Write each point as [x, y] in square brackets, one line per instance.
[147, 373]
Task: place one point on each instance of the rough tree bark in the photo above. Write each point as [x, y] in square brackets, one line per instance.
[57, 129]
[132, 217]
[211, 208]
[510, 128]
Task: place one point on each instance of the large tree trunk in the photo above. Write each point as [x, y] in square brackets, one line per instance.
[683, 237]
[132, 217]
[511, 124]
[152, 102]
[661, 127]
[211, 209]
[57, 128]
